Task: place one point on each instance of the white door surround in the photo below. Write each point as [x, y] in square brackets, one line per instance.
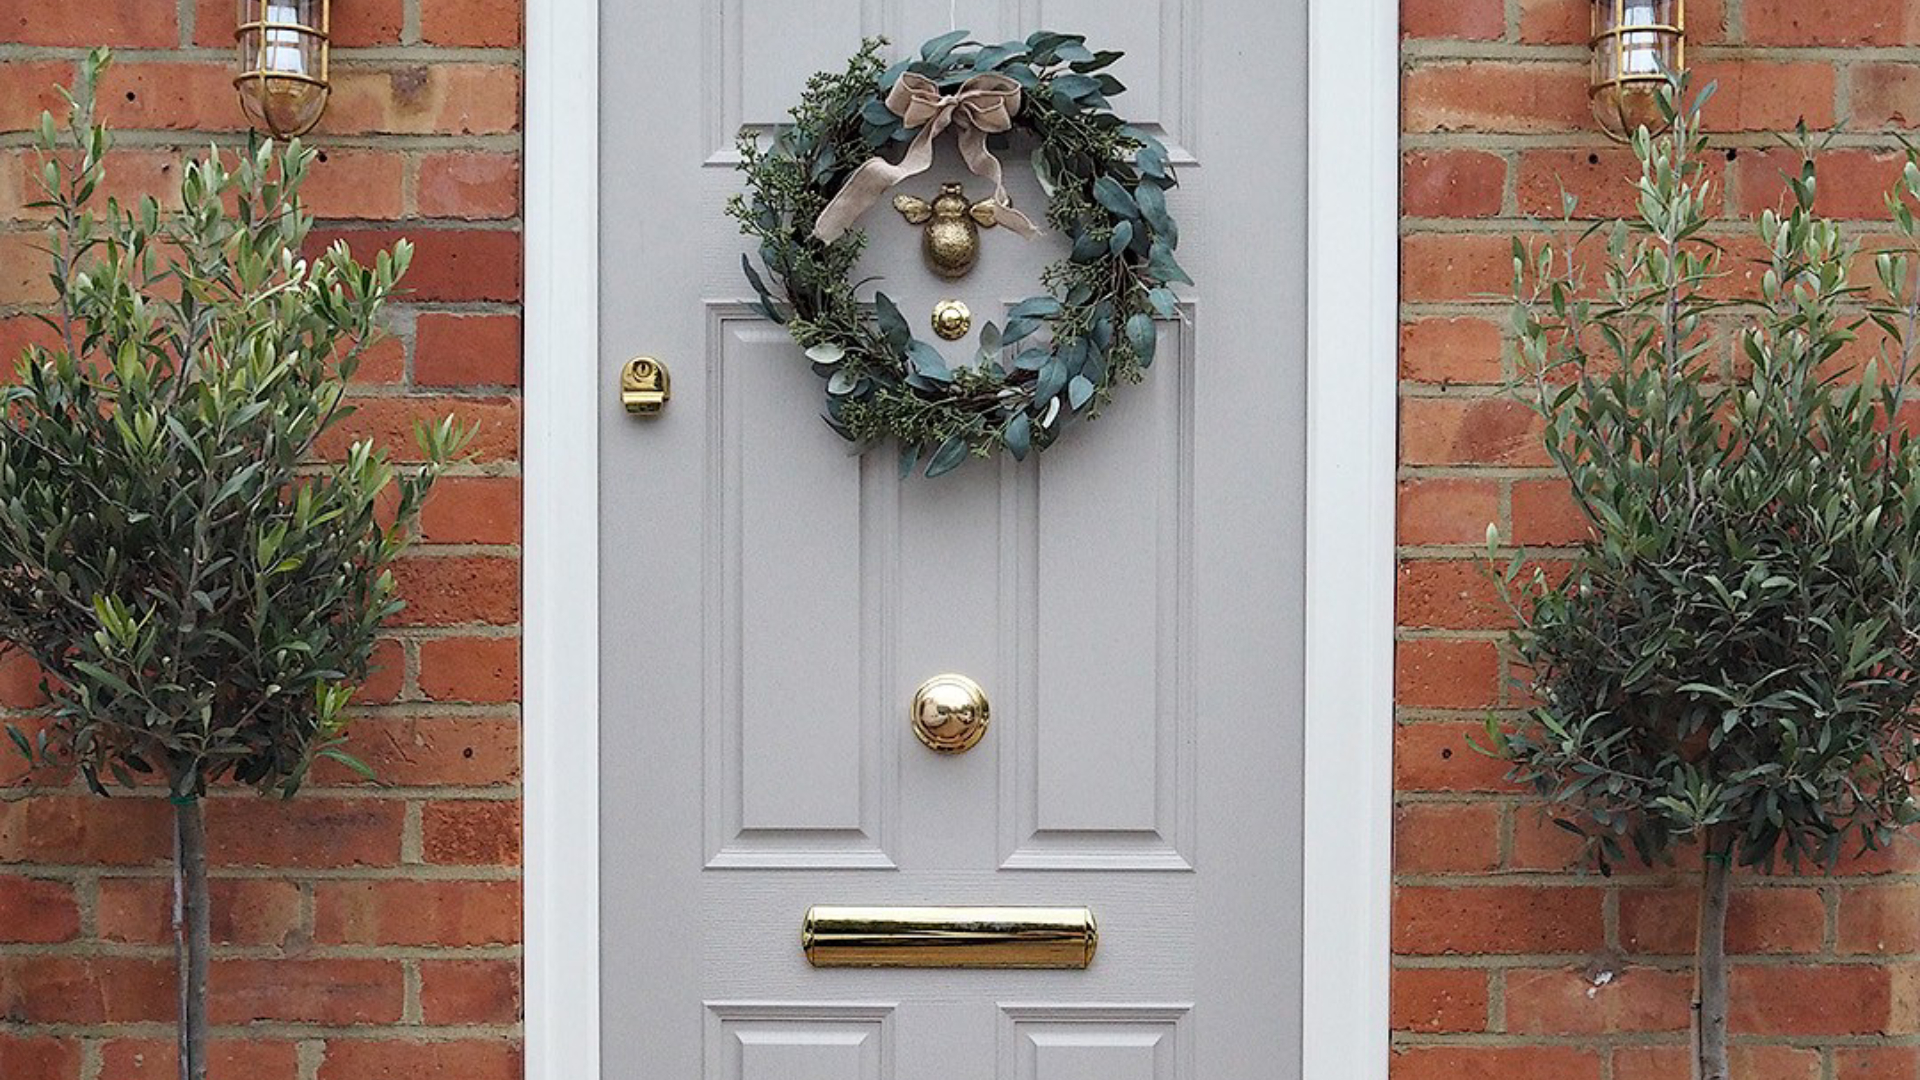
[1352, 304]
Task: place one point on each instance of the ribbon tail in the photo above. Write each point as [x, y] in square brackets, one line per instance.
[973, 147]
[871, 181]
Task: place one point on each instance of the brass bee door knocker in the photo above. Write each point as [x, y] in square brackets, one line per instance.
[952, 241]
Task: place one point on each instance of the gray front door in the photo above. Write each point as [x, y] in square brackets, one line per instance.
[1131, 602]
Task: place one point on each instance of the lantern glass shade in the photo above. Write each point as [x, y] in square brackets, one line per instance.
[1636, 44]
[282, 78]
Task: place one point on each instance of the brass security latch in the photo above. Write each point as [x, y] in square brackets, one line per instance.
[645, 386]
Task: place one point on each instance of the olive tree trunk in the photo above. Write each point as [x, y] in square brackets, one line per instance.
[1710, 960]
[192, 935]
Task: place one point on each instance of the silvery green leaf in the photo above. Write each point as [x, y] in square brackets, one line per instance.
[1036, 307]
[936, 51]
[1161, 264]
[1153, 207]
[1073, 52]
[875, 112]
[841, 384]
[1018, 436]
[892, 324]
[927, 361]
[948, 457]
[1032, 360]
[909, 457]
[1163, 301]
[1088, 248]
[1079, 392]
[1122, 237]
[1074, 86]
[1143, 337]
[1052, 378]
[826, 354]
[1151, 159]
[1019, 330]
[1112, 194]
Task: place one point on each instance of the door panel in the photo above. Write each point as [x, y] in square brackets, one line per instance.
[1130, 599]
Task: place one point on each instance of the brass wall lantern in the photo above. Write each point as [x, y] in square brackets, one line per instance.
[283, 79]
[1636, 43]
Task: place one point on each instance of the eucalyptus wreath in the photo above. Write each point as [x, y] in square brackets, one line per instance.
[1106, 182]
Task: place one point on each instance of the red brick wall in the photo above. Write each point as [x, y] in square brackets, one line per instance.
[368, 933]
[1508, 964]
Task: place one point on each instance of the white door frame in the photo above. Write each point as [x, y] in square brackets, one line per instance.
[1352, 338]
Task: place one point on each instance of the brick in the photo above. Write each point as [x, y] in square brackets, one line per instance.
[480, 670]
[24, 269]
[1437, 757]
[158, 1059]
[1447, 510]
[1884, 96]
[1542, 846]
[1439, 1000]
[1876, 1062]
[1469, 431]
[423, 99]
[469, 186]
[1554, 22]
[430, 751]
[1601, 181]
[469, 22]
[471, 833]
[84, 829]
[1495, 1063]
[1451, 594]
[1496, 920]
[87, 990]
[29, 88]
[39, 1058]
[139, 911]
[196, 96]
[1478, 20]
[449, 265]
[1438, 674]
[1880, 919]
[305, 990]
[1448, 351]
[1852, 183]
[1757, 1062]
[37, 912]
[417, 913]
[1544, 513]
[458, 590]
[360, 23]
[387, 676]
[20, 682]
[473, 510]
[470, 1059]
[1806, 1002]
[1767, 96]
[1598, 1001]
[1661, 921]
[467, 350]
[1459, 267]
[382, 362]
[1832, 23]
[470, 991]
[1452, 183]
[308, 832]
[356, 184]
[389, 422]
[1446, 839]
[1495, 96]
[100, 22]
[17, 334]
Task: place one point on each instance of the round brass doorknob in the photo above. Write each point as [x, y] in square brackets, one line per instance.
[950, 713]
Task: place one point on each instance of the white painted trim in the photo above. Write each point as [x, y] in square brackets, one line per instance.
[1353, 185]
[560, 573]
[1353, 245]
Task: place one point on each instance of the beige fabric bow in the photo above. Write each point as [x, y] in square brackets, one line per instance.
[983, 105]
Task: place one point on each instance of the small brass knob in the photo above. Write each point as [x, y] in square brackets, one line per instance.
[645, 386]
[952, 320]
[950, 713]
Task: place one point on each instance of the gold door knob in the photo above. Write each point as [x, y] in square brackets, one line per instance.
[645, 386]
[950, 713]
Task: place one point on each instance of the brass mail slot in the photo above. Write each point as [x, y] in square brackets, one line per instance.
[950, 937]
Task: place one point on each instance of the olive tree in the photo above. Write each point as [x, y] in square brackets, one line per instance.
[202, 589]
[1732, 662]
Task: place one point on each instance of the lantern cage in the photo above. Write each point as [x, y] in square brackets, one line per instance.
[1637, 44]
[283, 58]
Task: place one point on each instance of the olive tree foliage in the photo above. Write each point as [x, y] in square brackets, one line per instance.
[202, 588]
[1735, 654]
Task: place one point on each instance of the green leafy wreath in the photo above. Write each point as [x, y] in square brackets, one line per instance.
[1106, 183]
